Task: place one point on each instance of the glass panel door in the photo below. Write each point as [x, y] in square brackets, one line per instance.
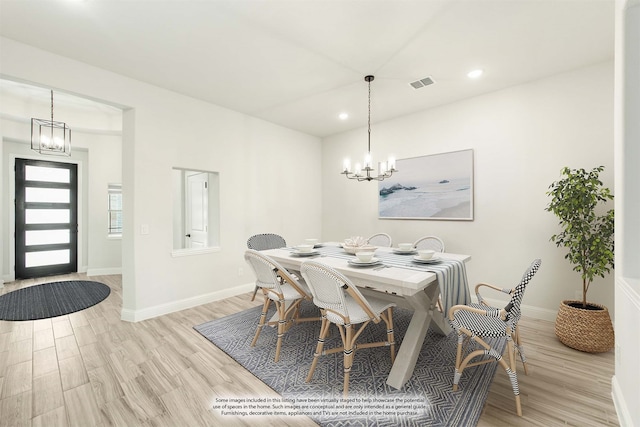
[46, 218]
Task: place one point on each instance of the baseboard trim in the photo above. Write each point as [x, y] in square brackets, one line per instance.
[87, 271]
[104, 271]
[624, 416]
[162, 309]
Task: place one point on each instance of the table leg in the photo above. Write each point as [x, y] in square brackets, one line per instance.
[424, 314]
[439, 322]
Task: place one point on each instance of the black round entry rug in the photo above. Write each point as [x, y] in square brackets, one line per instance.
[51, 299]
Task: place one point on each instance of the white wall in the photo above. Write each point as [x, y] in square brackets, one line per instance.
[626, 393]
[258, 164]
[104, 168]
[521, 137]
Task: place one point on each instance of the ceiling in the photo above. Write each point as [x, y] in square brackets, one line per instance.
[299, 63]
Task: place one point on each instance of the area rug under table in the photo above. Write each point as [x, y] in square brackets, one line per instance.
[426, 399]
[51, 299]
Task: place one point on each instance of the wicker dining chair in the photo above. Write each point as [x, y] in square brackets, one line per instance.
[281, 288]
[262, 242]
[380, 239]
[342, 304]
[484, 305]
[477, 324]
[429, 242]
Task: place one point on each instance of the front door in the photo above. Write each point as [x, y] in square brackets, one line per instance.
[46, 218]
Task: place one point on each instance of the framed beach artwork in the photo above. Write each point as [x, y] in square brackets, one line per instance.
[438, 186]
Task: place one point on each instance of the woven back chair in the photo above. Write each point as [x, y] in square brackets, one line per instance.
[478, 323]
[484, 305]
[281, 288]
[429, 242]
[342, 304]
[262, 242]
[380, 239]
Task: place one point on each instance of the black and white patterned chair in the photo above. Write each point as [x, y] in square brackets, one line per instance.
[478, 322]
[380, 239]
[262, 242]
[429, 242]
[342, 304]
[484, 305]
[283, 289]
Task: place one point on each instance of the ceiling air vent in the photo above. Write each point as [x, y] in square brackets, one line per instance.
[422, 83]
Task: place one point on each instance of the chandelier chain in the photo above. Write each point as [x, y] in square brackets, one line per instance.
[369, 121]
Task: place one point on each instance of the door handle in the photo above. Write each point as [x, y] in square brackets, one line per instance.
[187, 235]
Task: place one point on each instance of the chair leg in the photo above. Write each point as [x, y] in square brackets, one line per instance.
[458, 373]
[348, 357]
[520, 349]
[513, 377]
[388, 319]
[510, 368]
[263, 317]
[282, 323]
[324, 331]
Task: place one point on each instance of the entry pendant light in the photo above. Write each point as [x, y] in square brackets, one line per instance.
[368, 173]
[50, 137]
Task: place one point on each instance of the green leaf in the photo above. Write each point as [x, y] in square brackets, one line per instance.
[588, 237]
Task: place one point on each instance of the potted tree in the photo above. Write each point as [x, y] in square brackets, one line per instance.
[588, 237]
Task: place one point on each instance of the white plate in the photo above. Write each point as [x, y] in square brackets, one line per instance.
[298, 253]
[433, 260]
[356, 262]
[403, 252]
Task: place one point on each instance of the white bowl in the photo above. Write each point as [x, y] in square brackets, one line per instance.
[405, 246]
[426, 253]
[304, 248]
[355, 249]
[365, 256]
[311, 242]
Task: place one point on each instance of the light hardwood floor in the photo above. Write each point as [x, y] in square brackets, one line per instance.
[90, 368]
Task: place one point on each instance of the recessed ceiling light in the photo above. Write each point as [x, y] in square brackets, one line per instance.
[343, 116]
[475, 73]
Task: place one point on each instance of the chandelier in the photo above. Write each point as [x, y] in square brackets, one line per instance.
[368, 173]
[50, 137]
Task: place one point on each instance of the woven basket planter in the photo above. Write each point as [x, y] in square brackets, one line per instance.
[588, 330]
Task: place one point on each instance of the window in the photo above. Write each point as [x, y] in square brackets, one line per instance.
[115, 209]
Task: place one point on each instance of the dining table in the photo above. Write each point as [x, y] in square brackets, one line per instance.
[397, 276]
